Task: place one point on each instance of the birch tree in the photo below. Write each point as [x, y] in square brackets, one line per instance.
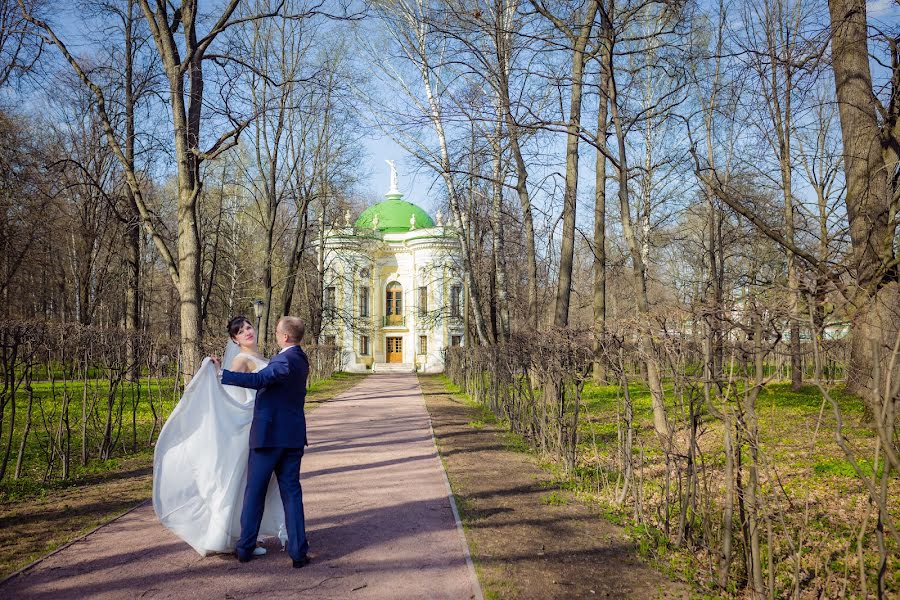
[410, 26]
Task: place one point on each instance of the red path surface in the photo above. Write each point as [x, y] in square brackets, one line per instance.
[379, 520]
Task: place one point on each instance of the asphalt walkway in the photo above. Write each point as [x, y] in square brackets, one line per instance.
[379, 520]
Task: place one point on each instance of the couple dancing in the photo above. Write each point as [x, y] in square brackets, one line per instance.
[228, 445]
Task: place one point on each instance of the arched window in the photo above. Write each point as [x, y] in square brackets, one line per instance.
[393, 306]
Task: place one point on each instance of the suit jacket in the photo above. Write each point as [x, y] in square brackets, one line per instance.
[278, 419]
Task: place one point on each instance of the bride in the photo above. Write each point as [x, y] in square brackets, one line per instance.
[200, 461]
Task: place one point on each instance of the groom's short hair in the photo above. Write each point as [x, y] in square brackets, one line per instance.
[294, 327]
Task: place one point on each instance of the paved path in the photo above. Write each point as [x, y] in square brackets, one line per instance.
[379, 521]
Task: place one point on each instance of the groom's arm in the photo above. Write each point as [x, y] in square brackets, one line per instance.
[277, 370]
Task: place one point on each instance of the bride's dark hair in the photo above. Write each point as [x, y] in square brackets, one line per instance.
[235, 324]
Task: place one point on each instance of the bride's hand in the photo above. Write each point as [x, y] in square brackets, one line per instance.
[216, 361]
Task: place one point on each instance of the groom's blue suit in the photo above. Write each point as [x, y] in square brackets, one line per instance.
[277, 438]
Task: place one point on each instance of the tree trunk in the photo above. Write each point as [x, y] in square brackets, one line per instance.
[497, 238]
[132, 226]
[781, 113]
[513, 133]
[12, 430]
[268, 286]
[600, 222]
[189, 280]
[318, 314]
[23, 443]
[570, 199]
[287, 295]
[728, 505]
[186, 128]
[868, 198]
[752, 487]
[650, 362]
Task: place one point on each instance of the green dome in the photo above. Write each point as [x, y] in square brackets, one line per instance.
[393, 216]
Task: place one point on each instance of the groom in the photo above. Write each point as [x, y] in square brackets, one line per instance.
[277, 439]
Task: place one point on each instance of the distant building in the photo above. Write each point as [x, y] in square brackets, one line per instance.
[393, 288]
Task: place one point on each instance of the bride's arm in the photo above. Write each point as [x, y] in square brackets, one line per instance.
[240, 364]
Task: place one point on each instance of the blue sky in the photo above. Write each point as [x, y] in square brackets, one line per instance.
[422, 188]
[416, 187]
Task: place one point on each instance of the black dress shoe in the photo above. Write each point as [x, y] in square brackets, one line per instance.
[244, 558]
[304, 560]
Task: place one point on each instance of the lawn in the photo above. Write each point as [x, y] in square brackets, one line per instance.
[811, 496]
[62, 413]
[815, 513]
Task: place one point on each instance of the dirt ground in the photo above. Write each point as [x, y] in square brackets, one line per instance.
[32, 527]
[528, 538]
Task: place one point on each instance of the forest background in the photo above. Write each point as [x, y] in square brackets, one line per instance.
[674, 217]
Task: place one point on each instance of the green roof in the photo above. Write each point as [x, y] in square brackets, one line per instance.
[393, 216]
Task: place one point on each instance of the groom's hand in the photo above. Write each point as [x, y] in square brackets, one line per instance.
[216, 361]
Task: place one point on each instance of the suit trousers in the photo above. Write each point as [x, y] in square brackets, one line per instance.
[285, 464]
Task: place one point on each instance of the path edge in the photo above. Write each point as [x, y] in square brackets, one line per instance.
[470, 564]
[41, 559]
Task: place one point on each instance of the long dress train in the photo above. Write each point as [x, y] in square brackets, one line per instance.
[200, 465]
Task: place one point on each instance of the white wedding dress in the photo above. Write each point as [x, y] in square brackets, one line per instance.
[200, 465]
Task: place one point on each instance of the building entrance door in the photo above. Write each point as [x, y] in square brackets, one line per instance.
[395, 349]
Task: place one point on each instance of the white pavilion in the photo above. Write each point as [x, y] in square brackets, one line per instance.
[393, 288]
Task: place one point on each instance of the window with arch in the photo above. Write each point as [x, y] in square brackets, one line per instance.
[393, 305]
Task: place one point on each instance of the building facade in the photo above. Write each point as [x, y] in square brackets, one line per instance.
[393, 288]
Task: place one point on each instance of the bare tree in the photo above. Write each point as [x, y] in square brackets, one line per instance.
[600, 258]
[28, 210]
[277, 49]
[88, 179]
[614, 21]
[778, 55]
[504, 26]
[183, 38]
[577, 30]
[820, 155]
[19, 47]
[871, 136]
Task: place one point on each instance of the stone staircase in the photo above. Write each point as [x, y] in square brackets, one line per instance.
[393, 368]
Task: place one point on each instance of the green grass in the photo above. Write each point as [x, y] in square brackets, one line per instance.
[554, 498]
[835, 467]
[130, 434]
[132, 439]
[800, 462]
[452, 387]
[337, 381]
[801, 465]
[516, 442]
